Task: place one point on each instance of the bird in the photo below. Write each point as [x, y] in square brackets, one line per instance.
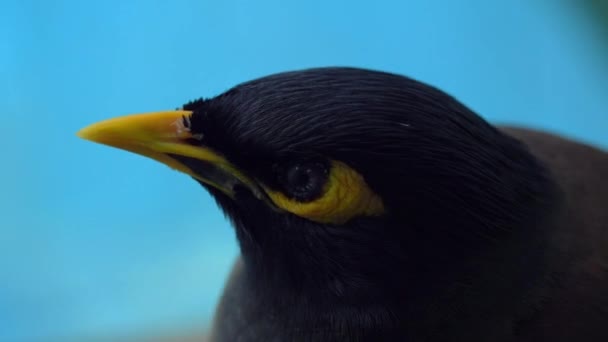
[371, 206]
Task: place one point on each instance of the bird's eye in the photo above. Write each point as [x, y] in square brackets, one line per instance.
[304, 181]
[327, 191]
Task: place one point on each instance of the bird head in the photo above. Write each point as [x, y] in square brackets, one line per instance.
[336, 177]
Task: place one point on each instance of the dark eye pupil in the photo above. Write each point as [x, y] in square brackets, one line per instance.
[305, 181]
[298, 177]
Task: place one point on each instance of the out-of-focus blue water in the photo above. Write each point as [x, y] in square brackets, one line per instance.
[96, 241]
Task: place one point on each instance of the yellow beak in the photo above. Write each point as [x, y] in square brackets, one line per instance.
[166, 137]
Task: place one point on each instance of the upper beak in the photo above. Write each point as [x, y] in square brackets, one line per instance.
[166, 137]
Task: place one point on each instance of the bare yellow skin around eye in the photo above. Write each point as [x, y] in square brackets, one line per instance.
[346, 196]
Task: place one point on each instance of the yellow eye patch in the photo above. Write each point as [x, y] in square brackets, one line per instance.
[346, 195]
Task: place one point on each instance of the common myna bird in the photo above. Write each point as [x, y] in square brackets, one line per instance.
[369, 206]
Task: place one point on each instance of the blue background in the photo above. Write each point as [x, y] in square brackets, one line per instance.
[96, 242]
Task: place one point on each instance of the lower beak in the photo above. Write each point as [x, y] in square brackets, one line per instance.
[166, 137]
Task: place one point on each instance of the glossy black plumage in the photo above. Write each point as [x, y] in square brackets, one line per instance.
[490, 234]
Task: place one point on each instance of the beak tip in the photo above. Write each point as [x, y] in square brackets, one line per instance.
[85, 133]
